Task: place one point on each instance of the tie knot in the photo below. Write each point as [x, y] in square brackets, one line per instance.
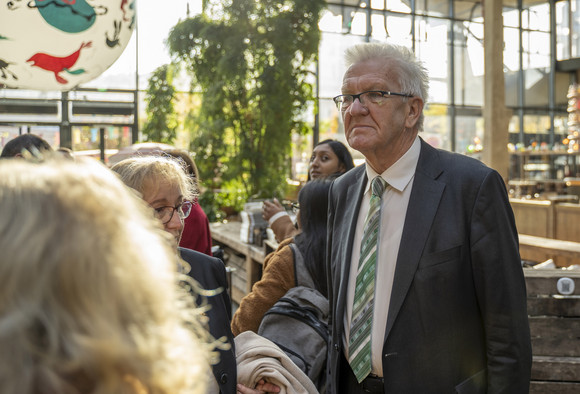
[378, 185]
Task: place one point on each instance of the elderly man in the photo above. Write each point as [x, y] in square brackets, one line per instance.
[425, 280]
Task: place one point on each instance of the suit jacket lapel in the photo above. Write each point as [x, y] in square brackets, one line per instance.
[354, 196]
[423, 203]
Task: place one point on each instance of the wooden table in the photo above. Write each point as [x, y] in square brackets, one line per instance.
[564, 253]
[245, 258]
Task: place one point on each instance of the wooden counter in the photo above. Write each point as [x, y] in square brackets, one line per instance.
[554, 218]
[245, 259]
[539, 249]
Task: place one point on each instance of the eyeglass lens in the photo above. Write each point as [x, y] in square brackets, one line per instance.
[165, 214]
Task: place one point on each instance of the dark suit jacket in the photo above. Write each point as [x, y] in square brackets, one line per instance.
[210, 273]
[457, 320]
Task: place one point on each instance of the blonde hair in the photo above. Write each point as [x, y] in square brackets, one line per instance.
[144, 172]
[89, 300]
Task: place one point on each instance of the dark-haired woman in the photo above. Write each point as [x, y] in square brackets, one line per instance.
[329, 158]
[278, 274]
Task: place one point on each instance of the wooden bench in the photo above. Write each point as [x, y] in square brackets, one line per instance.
[555, 330]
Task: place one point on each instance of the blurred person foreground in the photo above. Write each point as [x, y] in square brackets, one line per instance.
[89, 301]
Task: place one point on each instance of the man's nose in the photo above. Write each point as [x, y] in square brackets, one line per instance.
[357, 107]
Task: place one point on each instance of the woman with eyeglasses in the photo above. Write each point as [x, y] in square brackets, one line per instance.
[196, 233]
[164, 184]
[329, 158]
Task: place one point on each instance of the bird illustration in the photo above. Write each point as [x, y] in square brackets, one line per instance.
[4, 70]
[111, 43]
[59, 64]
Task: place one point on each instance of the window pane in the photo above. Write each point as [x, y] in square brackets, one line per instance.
[436, 8]
[511, 57]
[536, 87]
[331, 62]
[399, 6]
[341, 19]
[511, 17]
[436, 127]
[378, 31]
[562, 31]
[537, 17]
[86, 140]
[359, 22]
[431, 47]
[536, 46]
[331, 20]
[511, 88]
[399, 30]
[378, 4]
[468, 64]
[468, 134]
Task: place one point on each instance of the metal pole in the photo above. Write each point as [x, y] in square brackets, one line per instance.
[453, 107]
[135, 128]
[316, 131]
[65, 129]
[552, 75]
[102, 143]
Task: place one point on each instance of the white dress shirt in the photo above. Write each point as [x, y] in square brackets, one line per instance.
[393, 211]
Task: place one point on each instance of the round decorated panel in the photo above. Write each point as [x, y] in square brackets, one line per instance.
[59, 44]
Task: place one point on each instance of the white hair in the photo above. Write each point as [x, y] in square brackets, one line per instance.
[142, 172]
[410, 72]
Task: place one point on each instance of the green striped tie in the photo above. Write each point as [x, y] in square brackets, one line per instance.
[359, 346]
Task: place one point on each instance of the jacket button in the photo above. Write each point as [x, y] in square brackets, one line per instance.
[336, 347]
[224, 378]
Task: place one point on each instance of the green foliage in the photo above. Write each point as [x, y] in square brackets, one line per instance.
[161, 124]
[219, 204]
[252, 62]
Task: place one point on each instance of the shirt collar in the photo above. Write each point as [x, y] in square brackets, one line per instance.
[399, 175]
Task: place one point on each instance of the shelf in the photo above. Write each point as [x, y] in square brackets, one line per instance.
[545, 153]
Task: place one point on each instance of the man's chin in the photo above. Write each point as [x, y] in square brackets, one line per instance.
[360, 144]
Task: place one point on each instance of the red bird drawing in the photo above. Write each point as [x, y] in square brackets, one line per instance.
[59, 64]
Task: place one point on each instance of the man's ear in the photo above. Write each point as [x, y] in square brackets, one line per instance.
[415, 111]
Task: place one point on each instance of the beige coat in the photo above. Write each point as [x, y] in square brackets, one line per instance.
[259, 358]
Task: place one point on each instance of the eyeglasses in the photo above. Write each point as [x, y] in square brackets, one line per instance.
[343, 101]
[295, 207]
[165, 214]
